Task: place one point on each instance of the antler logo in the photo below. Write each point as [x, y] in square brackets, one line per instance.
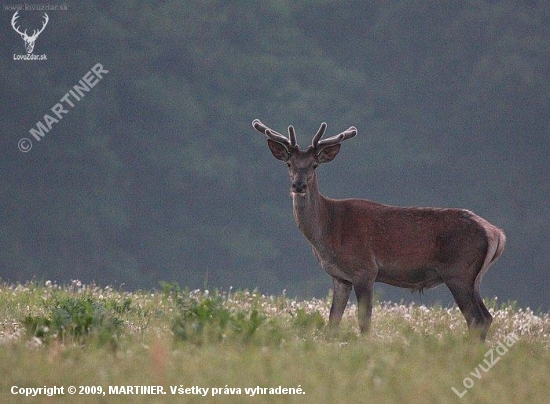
[29, 40]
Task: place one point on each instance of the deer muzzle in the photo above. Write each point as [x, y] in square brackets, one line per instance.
[299, 187]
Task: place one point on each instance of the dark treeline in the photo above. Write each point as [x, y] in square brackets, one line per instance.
[156, 173]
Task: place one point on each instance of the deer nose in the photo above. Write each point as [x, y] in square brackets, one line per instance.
[299, 187]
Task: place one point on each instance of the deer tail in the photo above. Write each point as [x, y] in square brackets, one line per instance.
[496, 240]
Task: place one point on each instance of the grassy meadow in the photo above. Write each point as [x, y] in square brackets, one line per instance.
[241, 344]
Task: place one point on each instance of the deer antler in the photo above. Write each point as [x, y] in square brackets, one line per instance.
[35, 32]
[15, 17]
[289, 143]
[46, 19]
[319, 144]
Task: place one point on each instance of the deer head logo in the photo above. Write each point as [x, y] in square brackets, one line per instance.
[29, 40]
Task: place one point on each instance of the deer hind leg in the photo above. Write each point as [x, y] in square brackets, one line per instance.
[488, 319]
[471, 305]
[340, 296]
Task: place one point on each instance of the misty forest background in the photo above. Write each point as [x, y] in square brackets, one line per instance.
[157, 174]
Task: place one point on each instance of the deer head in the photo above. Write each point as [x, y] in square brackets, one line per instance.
[302, 163]
[29, 40]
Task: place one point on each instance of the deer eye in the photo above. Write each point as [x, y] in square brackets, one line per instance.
[288, 165]
[315, 165]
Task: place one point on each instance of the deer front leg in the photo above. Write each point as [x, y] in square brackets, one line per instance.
[340, 296]
[364, 291]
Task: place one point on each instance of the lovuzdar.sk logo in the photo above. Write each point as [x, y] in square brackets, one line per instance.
[29, 39]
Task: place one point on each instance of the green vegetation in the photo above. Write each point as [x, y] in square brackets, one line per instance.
[73, 319]
[57, 336]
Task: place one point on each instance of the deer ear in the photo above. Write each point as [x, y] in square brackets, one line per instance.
[328, 153]
[278, 150]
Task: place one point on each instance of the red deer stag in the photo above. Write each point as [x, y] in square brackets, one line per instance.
[359, 242]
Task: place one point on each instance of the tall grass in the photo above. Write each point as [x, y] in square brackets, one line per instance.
[84, 335]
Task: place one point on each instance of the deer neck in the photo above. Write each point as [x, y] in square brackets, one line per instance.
[310, 213]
